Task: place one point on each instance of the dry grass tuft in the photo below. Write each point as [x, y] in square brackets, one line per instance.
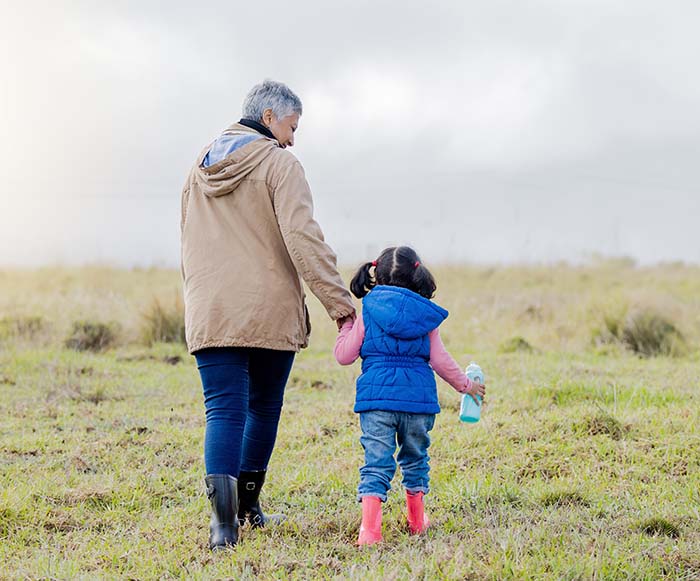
[564, 498]
[604, 423]
[659, 526]
[648, 333]
[515, 345]
[643, 331]
[22, 327]
[163, 324]
[92, 336]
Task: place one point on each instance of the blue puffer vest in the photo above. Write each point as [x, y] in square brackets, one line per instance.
[396, 374]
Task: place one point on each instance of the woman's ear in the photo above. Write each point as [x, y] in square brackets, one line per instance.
[266, 118]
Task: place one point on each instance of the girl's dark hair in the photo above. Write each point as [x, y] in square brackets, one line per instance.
[396, 266]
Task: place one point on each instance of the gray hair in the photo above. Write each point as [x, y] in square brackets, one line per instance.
[270, 95]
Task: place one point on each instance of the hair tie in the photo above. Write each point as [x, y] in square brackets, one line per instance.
[417, 264]
[374, 263]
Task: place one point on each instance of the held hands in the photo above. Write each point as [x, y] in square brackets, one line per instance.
[341, 322]
[475, 388]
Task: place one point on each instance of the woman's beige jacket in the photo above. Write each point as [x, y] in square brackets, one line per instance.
[248, 239]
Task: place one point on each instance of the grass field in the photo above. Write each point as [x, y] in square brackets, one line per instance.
[586, 464]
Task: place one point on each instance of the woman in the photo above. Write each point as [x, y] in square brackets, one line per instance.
[248, 240]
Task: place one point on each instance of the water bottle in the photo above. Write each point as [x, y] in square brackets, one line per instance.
[470, 412]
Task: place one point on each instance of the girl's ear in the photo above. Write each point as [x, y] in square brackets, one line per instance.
[363, 281]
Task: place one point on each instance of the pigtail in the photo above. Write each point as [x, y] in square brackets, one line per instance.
[423, 281]
[363, 281]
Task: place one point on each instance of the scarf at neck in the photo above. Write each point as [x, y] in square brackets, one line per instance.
[259, 127]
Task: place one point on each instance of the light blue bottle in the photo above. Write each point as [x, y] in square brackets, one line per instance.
[470, 412]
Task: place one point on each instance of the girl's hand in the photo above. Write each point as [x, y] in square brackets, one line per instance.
[475, 389]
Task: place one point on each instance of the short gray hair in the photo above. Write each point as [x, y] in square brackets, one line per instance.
[270, 95]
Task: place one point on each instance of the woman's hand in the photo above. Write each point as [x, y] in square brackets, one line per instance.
[475, 388]
[342, 321]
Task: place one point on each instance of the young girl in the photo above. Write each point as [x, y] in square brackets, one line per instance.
[398, 339]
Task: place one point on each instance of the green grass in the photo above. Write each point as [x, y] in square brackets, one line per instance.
[586, 464]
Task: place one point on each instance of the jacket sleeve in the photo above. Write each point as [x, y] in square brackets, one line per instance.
[312, 257]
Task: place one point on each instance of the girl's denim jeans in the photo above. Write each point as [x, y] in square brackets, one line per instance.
[243, 394]
[381, 432]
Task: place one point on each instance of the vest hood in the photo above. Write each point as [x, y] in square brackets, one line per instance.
[402, 313]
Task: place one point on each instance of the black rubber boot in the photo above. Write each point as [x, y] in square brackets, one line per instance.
[249, 485]
[222, 491]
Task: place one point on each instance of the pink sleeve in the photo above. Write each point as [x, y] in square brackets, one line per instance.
[349, 341]
[444, 364]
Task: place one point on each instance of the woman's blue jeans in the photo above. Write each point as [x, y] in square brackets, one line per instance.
[382, 431]
[243, 395]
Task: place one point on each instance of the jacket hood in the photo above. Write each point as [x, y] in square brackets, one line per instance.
[402, 313]
[249, 149]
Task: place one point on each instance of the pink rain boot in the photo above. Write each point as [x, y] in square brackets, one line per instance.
[371, 527]
[417, 519]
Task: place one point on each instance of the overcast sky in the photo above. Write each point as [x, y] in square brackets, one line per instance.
[500, 131]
